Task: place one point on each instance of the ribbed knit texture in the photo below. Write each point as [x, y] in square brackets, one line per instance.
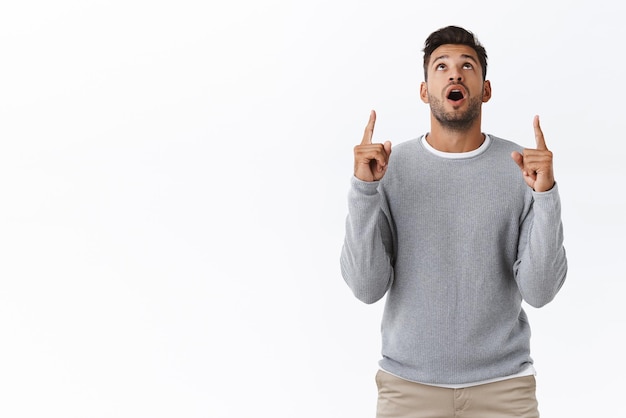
[455, 245]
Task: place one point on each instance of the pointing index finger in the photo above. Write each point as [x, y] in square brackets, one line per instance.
[369, 129]
[541, 142]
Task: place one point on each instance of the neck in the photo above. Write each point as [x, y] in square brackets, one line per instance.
[447, 140]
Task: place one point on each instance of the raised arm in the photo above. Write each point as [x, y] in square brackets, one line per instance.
[367, 253]
[541, 267]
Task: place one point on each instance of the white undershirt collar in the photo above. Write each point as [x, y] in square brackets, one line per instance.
[456, 155]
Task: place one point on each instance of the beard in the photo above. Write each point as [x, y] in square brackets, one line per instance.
[455, 120]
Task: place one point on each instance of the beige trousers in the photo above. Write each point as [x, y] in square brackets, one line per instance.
[399, 398]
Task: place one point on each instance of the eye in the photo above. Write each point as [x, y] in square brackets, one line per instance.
[440, 67]
[467, 66]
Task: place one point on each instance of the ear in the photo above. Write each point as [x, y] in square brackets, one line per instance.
[424, 92]
[486, 91]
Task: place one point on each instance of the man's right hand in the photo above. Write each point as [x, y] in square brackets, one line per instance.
[370, 160]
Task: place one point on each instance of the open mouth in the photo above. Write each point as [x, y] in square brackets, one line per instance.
[455, 95]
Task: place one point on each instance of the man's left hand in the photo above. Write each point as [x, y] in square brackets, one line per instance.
[536, 164]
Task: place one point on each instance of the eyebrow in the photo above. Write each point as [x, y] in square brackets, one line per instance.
[466, 56]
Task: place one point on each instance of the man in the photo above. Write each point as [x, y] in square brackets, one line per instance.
[456, 228]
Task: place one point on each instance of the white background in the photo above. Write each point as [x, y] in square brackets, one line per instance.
[173, 180]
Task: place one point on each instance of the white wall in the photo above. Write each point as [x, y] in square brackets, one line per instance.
[173, 181]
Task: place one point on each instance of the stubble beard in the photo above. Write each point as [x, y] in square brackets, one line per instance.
[455, 120]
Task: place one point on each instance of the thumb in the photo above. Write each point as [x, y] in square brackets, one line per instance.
[518, 158]
[387, 146]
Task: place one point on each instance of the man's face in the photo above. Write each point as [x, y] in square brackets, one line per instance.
[455, 88]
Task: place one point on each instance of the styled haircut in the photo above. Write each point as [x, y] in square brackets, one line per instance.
[454, 35]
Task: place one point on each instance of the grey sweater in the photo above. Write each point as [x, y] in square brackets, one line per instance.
[455, 245]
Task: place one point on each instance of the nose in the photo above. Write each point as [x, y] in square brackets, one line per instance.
[456, 74]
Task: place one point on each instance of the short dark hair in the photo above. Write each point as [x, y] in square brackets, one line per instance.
[454, 35]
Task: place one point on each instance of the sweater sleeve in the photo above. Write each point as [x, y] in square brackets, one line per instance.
[541, 267]
[367, 253]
